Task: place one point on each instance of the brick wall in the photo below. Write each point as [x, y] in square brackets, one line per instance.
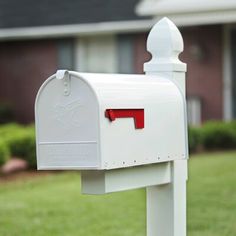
[140, 53]
[204, 76]
[24, 66]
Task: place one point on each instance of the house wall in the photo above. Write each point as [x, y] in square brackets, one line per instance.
[24, 66]
[203, 53]
[140, 52]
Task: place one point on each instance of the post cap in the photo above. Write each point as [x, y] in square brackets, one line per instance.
[165, 43]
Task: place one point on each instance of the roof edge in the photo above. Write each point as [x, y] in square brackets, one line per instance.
[204, 18]
[75, 30]
[165, 7]
[190, 12]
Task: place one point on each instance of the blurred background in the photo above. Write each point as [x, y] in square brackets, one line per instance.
[109, 36]
[37, 38]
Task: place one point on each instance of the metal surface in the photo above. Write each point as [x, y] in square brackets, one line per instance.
[107, 181]
[79, 118]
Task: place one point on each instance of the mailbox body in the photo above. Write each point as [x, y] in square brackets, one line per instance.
[73, 131]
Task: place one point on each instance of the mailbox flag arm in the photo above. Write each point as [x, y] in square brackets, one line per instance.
[137, 114]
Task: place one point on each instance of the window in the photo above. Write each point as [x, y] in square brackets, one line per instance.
[194, 111]
[65, 54]
[97, 54]
[125, 54]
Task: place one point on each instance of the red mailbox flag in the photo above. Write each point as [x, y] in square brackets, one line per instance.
[137, 114]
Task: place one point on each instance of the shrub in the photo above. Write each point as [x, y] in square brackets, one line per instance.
[6, 113]
[20, 141]
[22, 144]
[194, 138]
[219, 135]
[9, 128]
[4, 153]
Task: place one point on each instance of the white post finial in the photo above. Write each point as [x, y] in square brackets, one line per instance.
[165, 43]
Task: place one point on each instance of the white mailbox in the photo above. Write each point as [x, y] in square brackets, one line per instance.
[101, 123]
[108, 121]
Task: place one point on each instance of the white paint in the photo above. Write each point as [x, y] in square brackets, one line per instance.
[204, 18]
[182, 6]
[97, 54]
[190, 12]
[101, 182]
[165, 43]
[66, 138]
[80, 117]
[56, 31]
[227, 74]
[166, 205]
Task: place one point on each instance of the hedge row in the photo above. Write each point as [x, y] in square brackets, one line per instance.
[213, 135]
[19, 141]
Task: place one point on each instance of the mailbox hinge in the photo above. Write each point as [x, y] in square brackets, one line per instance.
[65, 77]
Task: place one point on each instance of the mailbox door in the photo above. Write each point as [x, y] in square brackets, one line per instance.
[67, 125]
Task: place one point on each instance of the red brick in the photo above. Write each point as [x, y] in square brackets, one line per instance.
[24, 66]
[204, 77]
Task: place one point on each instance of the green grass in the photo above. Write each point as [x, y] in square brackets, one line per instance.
[212, 195]
[53, 205]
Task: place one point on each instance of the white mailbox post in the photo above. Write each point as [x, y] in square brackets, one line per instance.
[123, 131]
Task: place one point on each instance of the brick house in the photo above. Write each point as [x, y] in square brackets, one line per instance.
[107, 36]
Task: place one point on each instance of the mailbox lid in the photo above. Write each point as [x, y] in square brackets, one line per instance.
[164, 136]
[67, 125]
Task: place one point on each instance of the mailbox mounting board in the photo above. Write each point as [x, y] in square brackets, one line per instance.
[78, 126]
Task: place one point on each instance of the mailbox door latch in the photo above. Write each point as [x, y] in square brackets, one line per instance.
[65, 77]
[137, 114]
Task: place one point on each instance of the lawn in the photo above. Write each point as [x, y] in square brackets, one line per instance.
[53, 205]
